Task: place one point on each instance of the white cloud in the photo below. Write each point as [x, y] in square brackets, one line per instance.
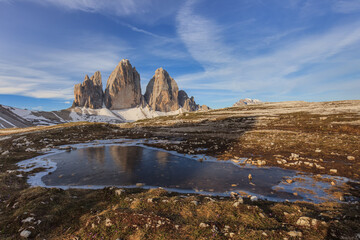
[145, 11]
[280, 71]
[346, 6]
[119, 7]
[51, 73]
[202, 36]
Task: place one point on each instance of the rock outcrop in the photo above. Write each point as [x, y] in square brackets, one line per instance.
[123, 88]
[89, 94]
[187, 103]
[162, 92]
[123, 91]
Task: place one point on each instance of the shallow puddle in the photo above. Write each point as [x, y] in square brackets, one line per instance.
[123, 165]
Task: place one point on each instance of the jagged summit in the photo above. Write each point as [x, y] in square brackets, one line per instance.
[89, 94]
[123, 91]
[162, 92]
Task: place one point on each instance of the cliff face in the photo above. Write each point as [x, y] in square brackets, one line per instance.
[89, 94]
[123, 91]
[187, 103]
[123, 88]
[162, 92]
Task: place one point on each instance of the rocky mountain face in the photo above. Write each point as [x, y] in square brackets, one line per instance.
[162, 92]
[89, 94]
[187, 103]
[123, 88]
[246, 101]
[123, 91]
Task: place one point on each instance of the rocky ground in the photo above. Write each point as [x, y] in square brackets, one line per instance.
[319, 138]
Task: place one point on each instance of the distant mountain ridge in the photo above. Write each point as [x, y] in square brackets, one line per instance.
[121, 101]
[246, 101]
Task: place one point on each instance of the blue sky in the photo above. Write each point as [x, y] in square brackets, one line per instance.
[218, 51]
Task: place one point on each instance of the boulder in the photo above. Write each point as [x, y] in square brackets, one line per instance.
[89, 94]
[303, 221]
[162, 92]
[123, 88]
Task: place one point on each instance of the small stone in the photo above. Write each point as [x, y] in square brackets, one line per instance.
[236, 204]
[150, 200]
[177, 227]
[318, 150]
[45, 149]
[231, 234]
[350, 158]
[295, 234]
[140, 184]
[289, 181]
[234, 194]
[314, 222]
[27, 220]
[118, 192]
[249, 176]
[264, 234]
[333, 170]
[261, 215]
[108, 222]
[333, 183]
[5, 153]
[303, 221]
[195, 203]
[25, 234]
[253, 198]
[203, 225]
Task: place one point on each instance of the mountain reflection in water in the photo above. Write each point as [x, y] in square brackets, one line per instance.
[128, 165]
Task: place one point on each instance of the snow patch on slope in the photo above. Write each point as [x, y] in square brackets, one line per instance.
[138, 113]
[117, 116]
[28, 115]
[247, 101]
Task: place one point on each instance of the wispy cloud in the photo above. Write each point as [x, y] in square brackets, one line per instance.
[346, 6]
[119, 7]
[53, 72]
[279, 71]
[202, 36]
[145, 11]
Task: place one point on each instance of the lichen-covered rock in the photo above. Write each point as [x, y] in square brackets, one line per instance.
[123, 88]
[89, 94]
[162, 92]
